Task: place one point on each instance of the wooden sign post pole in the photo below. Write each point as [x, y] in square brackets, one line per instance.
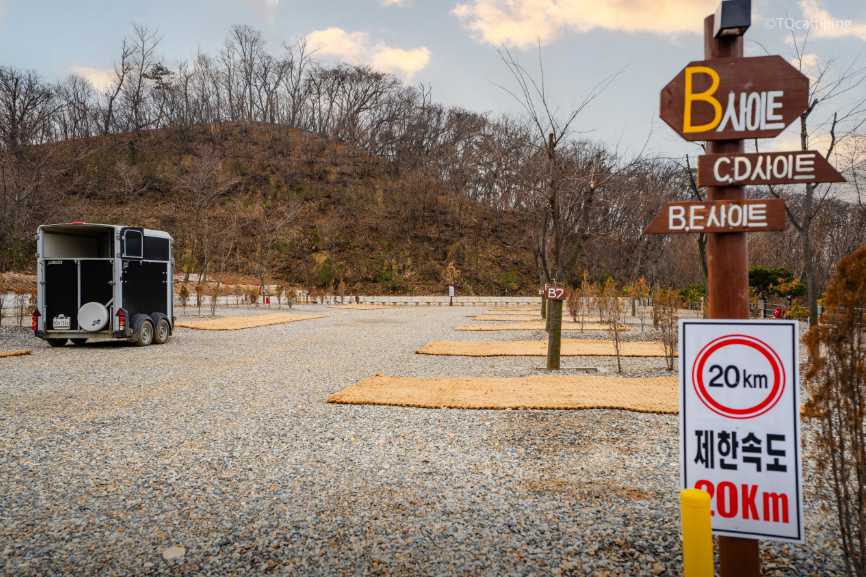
[554, 336]
[728, 289]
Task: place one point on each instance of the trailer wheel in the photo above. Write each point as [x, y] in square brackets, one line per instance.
[163, 331]
[56, 342]
[78, 342]
[144, 334]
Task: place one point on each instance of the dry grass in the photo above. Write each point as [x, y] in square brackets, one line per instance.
[647, 395]
[507, 317]
[570, 348]
[18, 283]
[534, 326]
[359, 307]
[21, 353]
[244, 322]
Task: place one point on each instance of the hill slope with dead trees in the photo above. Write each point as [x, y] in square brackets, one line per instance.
[277, 166]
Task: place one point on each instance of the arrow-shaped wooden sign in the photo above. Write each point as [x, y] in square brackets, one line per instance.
[734, 98]
[765, 168]
[720, 216]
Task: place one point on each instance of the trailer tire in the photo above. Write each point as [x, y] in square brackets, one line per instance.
[78, 342]
[144, 333]
[162, 332]
[56, 342]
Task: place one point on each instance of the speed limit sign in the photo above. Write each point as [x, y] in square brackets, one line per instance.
[740, 424]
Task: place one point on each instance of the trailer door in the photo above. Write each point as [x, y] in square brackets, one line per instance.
[61, 295]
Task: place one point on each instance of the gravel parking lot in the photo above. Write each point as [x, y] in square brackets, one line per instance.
[216, 454]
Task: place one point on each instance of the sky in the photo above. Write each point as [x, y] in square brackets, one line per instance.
[451, 46]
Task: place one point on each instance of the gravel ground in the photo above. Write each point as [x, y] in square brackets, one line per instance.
[216, 455]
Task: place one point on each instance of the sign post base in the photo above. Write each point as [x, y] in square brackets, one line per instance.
[739, 557]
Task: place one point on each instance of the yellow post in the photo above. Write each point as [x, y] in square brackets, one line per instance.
[697, 533]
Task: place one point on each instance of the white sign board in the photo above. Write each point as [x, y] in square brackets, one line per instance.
[740, 424]
[451, 290]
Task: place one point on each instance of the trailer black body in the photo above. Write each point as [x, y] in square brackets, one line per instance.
[103, 282]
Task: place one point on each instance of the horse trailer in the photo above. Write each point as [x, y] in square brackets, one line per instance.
[103, 282]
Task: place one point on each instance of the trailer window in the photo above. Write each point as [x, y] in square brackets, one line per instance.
[156, 248]
[133, 246]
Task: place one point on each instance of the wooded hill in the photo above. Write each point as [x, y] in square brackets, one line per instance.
[284, 204]
[268, 163]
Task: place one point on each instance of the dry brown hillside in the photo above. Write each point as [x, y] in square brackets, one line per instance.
[280, 203]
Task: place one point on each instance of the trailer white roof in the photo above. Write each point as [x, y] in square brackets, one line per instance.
[78, 227]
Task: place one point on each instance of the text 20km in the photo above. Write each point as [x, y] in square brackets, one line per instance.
[746, 501]
[732, 376]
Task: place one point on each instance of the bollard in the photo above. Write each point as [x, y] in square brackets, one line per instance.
[554, 333]
[697, 533]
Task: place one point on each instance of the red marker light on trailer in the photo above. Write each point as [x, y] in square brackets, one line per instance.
[34, 322]
[77, 222]
[121, 320]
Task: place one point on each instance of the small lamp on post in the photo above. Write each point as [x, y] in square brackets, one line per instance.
[733, 18]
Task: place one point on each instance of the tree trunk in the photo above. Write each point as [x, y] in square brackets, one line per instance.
[809, 272]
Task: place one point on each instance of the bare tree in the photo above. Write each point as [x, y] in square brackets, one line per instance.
[562, 222]
[836, 127]
[121, 71]
[203, 183]
[143, 69]
[26, 109]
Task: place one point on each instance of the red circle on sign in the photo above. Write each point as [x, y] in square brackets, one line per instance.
[766, 351]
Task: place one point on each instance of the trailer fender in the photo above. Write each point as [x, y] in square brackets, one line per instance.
[137, 320]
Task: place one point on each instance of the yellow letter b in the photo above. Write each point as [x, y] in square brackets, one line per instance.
[706, 96]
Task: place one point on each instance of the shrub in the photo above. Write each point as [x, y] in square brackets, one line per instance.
[183, 294]
[666, 304]
[693, 294]
[797, 312]
[837, 382]
[614, 310]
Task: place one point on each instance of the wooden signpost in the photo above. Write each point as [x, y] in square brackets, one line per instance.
[765, 168]
[723, 100]
[720, 216]
[555, 295]
[730, 98]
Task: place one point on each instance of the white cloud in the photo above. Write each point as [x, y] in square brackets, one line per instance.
[336, 42]
[522, 23]
[395, 2]
[822, 24]
[100, 78]
[405, 63]
[357, 48]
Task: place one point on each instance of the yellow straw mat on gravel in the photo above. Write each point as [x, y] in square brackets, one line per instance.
[244, 322]
[647, 395]
[570, 348]
[21, 353]
[533, 326]
[507, 317]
